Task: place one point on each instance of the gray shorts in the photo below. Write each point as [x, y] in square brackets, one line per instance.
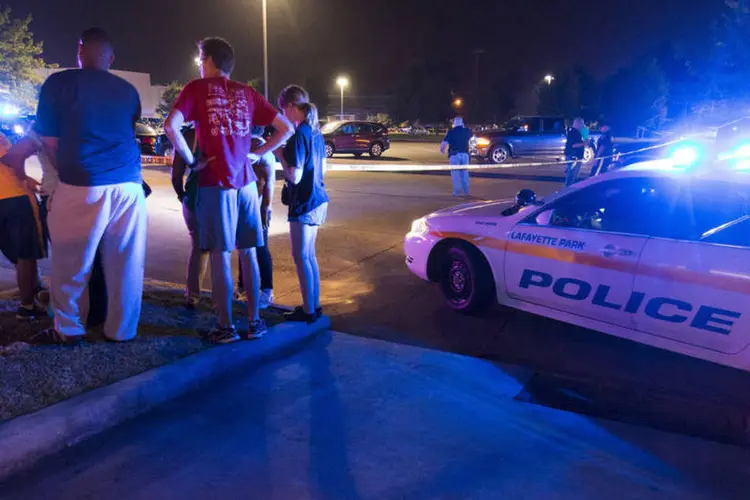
[229, 218]
[315, 217]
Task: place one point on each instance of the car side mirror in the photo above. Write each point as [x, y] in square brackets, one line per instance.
[525, 197]
[544, 218]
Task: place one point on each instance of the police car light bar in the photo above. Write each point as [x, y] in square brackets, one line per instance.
[9, 110]
[685, 155]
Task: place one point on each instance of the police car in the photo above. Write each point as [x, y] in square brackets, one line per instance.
[657, 252]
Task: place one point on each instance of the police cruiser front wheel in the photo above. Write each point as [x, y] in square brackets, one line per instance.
[466, 279]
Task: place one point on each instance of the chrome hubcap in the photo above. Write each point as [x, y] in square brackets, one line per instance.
[458, 276]
[499, 155]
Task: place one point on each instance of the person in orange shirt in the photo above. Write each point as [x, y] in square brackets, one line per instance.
[21, 238]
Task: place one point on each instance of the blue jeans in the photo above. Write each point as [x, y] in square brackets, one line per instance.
[460, 176]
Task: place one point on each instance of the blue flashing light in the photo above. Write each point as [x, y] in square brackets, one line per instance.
[743, 151]
[685, 155]
[9, 110]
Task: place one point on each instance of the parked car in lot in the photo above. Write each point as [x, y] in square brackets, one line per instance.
[151, 141]
[526, 136]
[657, 253]
[355, 138]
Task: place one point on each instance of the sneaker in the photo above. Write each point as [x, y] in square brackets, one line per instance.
[223, 335]
[30, 313]
[256, 331]
[300, 316]
[266, 299]
[191, 303]
[52, 337]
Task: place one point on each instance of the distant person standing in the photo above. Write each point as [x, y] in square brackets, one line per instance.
[585, 133]
[86, 121]
[457, 143]
[605, 150]
[227, 206]
[574, 150]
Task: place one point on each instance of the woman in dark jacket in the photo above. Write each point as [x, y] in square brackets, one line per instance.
[304, 192]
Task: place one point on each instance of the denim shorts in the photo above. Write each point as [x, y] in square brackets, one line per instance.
[315, 217]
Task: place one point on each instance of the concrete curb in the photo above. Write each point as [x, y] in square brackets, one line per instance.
[27, 439]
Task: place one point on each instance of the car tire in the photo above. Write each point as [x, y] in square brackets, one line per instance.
[330, 150]
[376, 149]
[588, 155]
[499, 154]
[466, 280]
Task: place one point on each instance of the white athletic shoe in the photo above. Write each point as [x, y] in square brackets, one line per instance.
[266, 298]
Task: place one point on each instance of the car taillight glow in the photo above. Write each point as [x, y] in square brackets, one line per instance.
[148, 140]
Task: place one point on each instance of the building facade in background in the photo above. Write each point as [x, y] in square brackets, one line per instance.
[150, 94]
[357, 107]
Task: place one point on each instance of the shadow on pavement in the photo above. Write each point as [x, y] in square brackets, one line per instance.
[575, 369]
[369, 159]
[501, 175]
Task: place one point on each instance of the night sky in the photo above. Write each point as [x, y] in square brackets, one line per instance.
[371, 41]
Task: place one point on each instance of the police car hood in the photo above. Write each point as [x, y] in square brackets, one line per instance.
[478, 209]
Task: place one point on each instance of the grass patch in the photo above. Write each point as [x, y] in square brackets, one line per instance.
[34, 377]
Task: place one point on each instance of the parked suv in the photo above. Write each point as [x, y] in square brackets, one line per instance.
[525, 136]
[355, 138]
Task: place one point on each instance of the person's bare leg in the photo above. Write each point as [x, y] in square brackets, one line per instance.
[197, 265]
[26, 278]
[222, 286]
[300, 252]
[251, 279]
[313, 238]
[196, 272]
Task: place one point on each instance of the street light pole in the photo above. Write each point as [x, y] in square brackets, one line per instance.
[342, 82]
[342, 102]
[265, 48]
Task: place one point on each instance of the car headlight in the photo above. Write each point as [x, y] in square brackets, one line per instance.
[482, 142]
[419, 226]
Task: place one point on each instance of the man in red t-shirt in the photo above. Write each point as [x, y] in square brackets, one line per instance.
[227, 206]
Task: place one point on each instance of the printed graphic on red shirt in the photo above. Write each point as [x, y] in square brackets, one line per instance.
[228, 113]
[224, 112]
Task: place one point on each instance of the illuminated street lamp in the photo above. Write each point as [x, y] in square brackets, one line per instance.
[265, 48]
[342, 82]
[548, 79]
[198, 61]
[458, 102]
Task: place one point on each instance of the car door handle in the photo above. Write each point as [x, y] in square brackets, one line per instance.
[613, 251]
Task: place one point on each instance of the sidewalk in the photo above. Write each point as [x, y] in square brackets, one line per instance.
[7, 276]
[351, 418]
